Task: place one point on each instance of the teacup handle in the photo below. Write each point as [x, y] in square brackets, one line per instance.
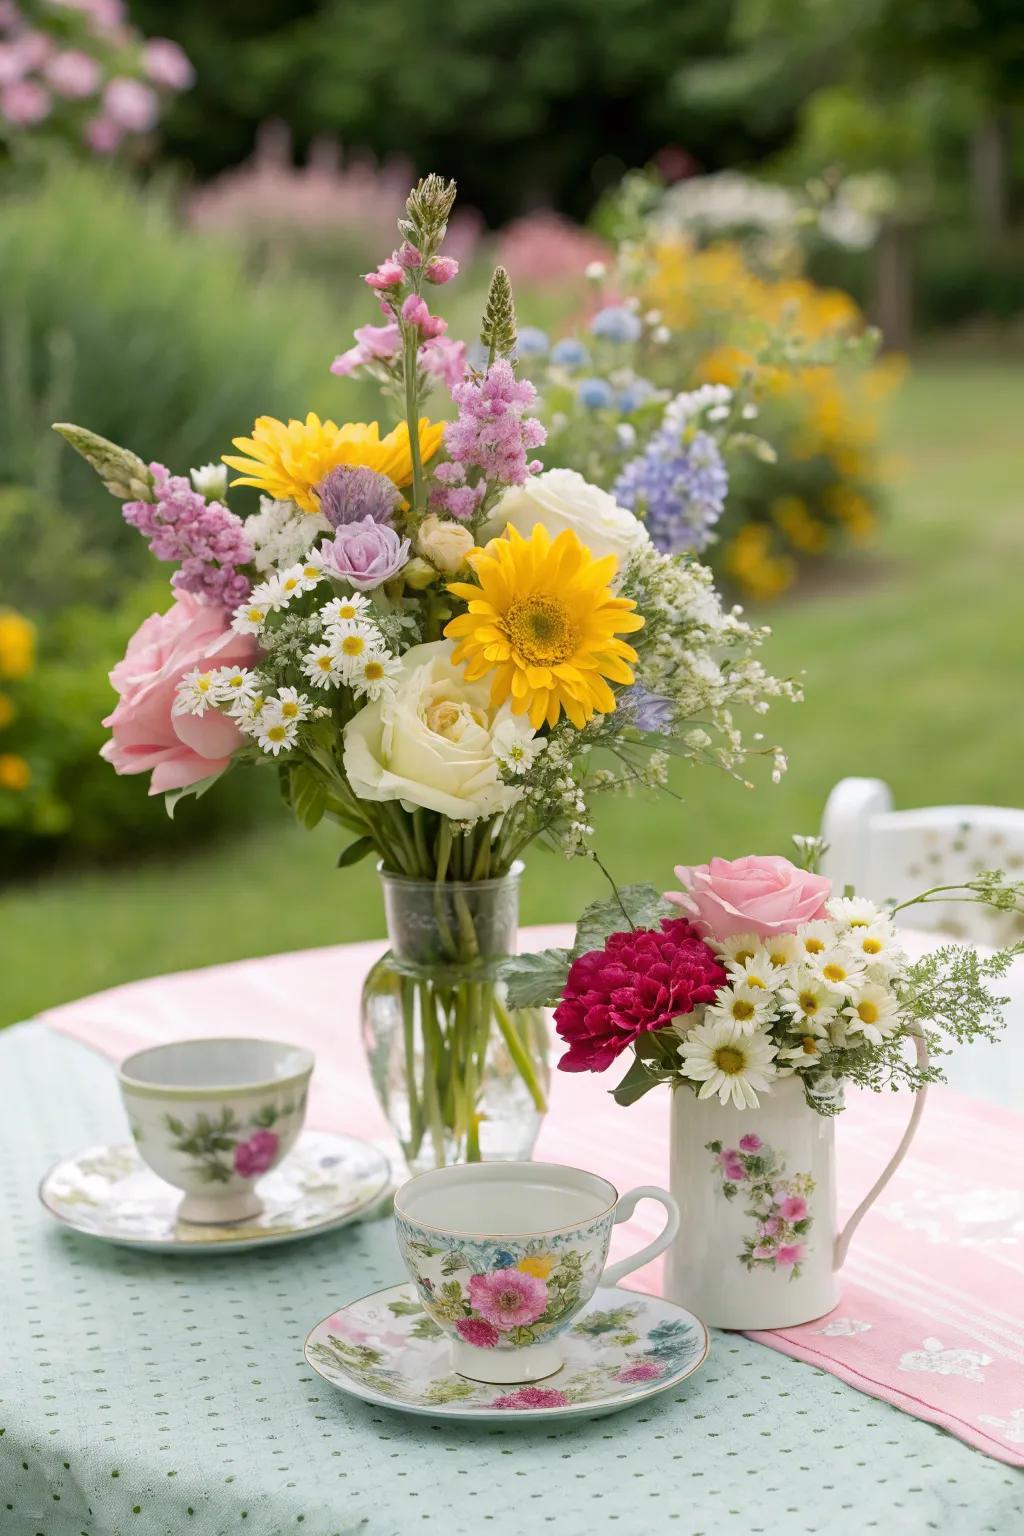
[613, 1273]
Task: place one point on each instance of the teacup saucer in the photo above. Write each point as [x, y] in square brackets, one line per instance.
[108, 1192]
[624, 1346]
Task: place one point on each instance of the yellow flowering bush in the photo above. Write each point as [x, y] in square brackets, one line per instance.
[822, 410]
[17, 660]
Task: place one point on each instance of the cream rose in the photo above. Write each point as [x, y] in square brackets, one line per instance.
[443, 543]
[431, 742]
[561, 498]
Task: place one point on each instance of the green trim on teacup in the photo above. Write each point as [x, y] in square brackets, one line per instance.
[247, 1090]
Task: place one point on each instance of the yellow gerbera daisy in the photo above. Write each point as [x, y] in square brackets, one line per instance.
[544, 620]
[286, 462]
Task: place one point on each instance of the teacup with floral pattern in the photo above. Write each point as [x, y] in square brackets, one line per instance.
[213, 1116]
[504, 1256]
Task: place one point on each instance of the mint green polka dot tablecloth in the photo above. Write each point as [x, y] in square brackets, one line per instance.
[169, 1397]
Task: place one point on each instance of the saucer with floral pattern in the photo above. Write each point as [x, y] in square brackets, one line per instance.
[108, 1192]
[624, 1347]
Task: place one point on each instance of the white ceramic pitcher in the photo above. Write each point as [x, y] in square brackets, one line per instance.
[757, 1245]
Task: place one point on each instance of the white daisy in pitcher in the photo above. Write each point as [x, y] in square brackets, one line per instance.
[837, 967]
[855, 911]
[874, 1014]
[811, 1004]
[742, 1007]
[877, 945]
[728, 1063]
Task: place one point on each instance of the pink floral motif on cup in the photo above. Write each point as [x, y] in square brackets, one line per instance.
[777, 1203]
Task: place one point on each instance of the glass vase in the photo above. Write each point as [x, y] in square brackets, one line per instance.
[460, 1076]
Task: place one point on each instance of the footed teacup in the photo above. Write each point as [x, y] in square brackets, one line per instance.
[505, 1255]
[213, 1116]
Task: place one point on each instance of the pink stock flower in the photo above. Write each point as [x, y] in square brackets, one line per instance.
[103, 135]
[166, 64]
[445, 359]
[388, 275]
[180, 749]
[441, 269]
[491, 434]
[793, 1208]
[373, 343]
[508, 1298]
[132, 105]
[24, 103]
[407, 256]
[643, 1370]
[415, 312]
[475, 1331]
[206, 538]
[639, 982]
[750, 1143]
[789, 1254]
[761, 894]
[255, 1156]
[73, 74]
[532, 1397]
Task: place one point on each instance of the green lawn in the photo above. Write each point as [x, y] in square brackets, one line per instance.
[911, 663]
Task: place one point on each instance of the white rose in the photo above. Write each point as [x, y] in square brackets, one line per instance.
[561, 498]
[432, 741]
[444, 544]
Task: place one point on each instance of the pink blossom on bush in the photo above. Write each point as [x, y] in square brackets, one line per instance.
[132, 105]
[544, 250]
[102, 135]
[25, 102]
[475, 1331]
[167, 64]
[508, 1298]
[73, 74]
[147, 735]
[255, 1156]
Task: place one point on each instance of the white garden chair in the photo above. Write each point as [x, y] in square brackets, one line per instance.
[889, 855]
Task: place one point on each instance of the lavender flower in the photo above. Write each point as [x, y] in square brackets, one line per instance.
[679, 488]
[490, 436]
[364, 554]
[207, 539]
[350, 493]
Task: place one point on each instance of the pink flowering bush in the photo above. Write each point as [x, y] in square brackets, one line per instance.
[545, 250]
[76, 70]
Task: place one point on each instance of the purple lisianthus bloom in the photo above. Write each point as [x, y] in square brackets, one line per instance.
[652, 712]
[350, 494]
[365, 554]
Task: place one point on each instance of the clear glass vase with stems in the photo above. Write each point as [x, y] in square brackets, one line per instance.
[461, 1077]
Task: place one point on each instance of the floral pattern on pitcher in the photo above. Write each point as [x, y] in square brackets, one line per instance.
[777, 1203]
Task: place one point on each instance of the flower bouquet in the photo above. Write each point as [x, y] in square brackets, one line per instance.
[441, 649]
[757, 995]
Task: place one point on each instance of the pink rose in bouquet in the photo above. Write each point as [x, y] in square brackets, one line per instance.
[761, 894]
[180, 749]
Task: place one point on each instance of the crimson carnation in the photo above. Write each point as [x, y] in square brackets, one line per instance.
[639, 982]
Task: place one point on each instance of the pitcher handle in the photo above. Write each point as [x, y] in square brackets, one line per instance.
[842, 1242]
[613, 1273]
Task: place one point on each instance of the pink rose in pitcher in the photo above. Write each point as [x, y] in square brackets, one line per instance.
[180, 749]
[761, 894]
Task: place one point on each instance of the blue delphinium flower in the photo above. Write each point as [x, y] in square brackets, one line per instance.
[634, 395]
[532, 342]
[595, 394]
[570, 353]
[678, 487]
[616, 323]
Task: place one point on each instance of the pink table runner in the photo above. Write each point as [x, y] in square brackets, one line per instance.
[930, 1317]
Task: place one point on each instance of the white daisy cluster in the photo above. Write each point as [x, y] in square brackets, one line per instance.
[281, 535]
[353, 652]
[796, 1003]
[274, 596]
[272, 720]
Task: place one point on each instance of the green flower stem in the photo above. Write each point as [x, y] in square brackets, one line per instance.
[518, 1051]
[411, 351]
[431, 1099]
[409, 1038]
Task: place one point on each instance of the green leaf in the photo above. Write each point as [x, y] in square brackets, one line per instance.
[641, 905]
[640, 1079]
[536, 980]
[191, 791]
[355, 851]
[307, 794]
[402, 1308]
